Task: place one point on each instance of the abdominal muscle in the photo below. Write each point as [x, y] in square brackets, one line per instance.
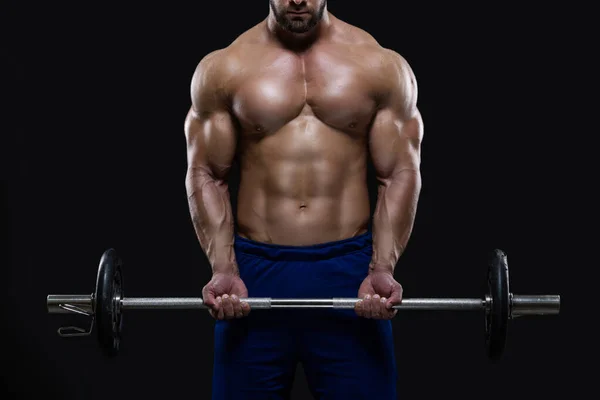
[304, 184]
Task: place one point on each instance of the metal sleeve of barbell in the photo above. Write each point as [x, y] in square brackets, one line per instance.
[534, 305]
[267, 303]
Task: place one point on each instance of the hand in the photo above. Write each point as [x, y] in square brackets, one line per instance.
[222, 296]
[379, 292]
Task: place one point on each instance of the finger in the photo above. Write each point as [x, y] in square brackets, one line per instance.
[367, 306]
[387, 313]
[390, 314]
[225, 303]
[358, 308]
[376, 306]
[245, 308]
[237, 306]
[220, 312]
[376, 309]
[397, 293]
[208, 298]
[395, 298]
[213, 310]
[214, 307]
[227, 307]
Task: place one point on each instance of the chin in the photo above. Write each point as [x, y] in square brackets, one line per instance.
[298, 27]
[299, 31]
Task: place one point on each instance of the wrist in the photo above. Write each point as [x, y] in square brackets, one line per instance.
[381, 268]
[225, 268]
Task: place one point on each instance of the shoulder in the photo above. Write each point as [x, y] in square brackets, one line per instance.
[391, 76]
[384, 63]
[397, 82]
[218, 68]
[397, 65]
[208, 70]
[211, 80]
[210, 87]
[213, 67]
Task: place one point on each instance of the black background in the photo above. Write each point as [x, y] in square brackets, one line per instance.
[93, 156]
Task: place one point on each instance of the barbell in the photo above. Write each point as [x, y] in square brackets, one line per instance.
[106, 305]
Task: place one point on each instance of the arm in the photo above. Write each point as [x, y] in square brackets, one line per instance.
[211, 143]
[395, 146]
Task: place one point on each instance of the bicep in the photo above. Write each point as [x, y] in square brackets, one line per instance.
[211, 142]
[397, 130]
[209, 128]
[395, 142]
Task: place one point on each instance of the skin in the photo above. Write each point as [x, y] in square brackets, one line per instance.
[303, 102]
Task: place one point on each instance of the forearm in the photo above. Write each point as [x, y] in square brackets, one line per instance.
[394, 217]
[212, 217]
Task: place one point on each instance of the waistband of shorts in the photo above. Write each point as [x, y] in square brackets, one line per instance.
[315, 252]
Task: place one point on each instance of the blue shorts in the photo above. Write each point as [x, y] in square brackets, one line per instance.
[344, 356]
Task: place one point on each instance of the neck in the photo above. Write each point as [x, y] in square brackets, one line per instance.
[298, 41]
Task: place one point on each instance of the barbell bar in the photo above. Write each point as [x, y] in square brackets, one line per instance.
[106, 305]
[521, 304]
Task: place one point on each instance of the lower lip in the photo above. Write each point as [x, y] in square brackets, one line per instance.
[297, 13]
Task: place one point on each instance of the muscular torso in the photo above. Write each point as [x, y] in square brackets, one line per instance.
[303, 121]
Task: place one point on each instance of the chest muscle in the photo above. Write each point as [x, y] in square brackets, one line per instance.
[332, 89]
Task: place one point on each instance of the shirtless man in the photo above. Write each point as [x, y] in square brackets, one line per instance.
[301, 101]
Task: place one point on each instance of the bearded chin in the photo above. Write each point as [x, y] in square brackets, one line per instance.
[298, 26]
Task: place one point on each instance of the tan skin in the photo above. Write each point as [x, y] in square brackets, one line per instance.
[302, 111]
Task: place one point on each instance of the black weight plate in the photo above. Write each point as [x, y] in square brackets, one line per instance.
[109, 289]
[499, 311]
